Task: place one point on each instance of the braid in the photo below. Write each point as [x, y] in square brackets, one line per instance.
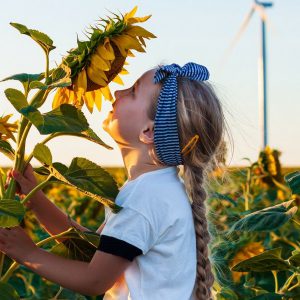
[204, 276]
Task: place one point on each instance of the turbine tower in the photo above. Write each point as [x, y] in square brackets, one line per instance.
[260, 7]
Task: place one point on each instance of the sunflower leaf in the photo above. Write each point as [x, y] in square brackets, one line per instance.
[65, 118]
[16, 98]
[79, 246]
[8, 292]
[11, 212]
[42, 153]
[41, 38]
[88, 178]
[266, 261]
[266, 219]
[293, 180]
[7, 149]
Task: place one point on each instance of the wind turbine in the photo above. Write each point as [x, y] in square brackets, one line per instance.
[260, 7]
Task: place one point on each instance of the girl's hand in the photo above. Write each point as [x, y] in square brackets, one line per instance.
[26, 181]
[15, 243]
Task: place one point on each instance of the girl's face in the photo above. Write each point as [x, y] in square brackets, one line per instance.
[128, 119]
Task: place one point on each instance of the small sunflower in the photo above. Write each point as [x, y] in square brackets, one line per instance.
[250, 250]
[269, 162]
[101, 59]
[7, 129]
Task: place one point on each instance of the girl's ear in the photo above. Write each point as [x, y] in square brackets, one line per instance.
[147, 133]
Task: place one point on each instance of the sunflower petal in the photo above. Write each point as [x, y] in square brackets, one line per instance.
[94, 76]
[106, 51]
[100, 63]
[98, 99]
[139, 31]
[106, 93]
[118, 80]
[89, 101]
[80, 84]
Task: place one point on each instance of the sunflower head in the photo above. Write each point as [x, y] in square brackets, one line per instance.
[270, 164]
[101, 59]
[7, 129]
[250, 250]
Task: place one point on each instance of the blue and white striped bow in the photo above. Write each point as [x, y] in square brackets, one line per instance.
[166, 138]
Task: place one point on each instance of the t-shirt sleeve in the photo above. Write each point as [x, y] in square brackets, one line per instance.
[127, 234]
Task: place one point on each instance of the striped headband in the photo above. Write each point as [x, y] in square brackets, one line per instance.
[166, 137]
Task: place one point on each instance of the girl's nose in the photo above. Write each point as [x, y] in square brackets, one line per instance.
[116, 94]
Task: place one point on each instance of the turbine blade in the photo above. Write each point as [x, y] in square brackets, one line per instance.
[237, 36]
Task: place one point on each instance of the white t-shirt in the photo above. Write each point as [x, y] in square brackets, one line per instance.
[156, 220]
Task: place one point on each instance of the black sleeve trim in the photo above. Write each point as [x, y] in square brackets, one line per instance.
[118, 247]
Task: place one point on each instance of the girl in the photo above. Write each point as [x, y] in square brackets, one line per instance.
[159, 240]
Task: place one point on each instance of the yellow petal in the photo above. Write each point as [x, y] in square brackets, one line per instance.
[138, 20]
[58, 98]
[5, 119]
[99, 62]
[98, 99]
[124, 72]
[118, 80]
[120, 44]
[81, 82]
[131, 13]
[128, 42]
[89, 101]
[130, 54]
[94, 76]
[142, 40]
[106, 93]
[139, 31]
[106, 51]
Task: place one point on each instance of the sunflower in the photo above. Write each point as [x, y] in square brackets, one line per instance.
[7, 129]
[101, 59]
[250, 250]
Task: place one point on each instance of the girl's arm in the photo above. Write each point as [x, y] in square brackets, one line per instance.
[48, 214]
[51, 217]
[90, 279]
[87, 278]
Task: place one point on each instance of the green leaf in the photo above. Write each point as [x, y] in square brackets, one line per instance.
[61, 77]
[90, 135]
[223, 197]
[266, 261]
[88, 178]
[16, 98]
[226, 294]
[42, 153]
[266, 219]
[268, 296]
[37, 85]
[8, 292]
[41, 38]
[78, 246]
[295, 259]
[65, 118]
[7, 149]
[24, 77]
[11, 212]
[293, 180]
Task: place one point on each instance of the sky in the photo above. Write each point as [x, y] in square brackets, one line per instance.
[198, 31]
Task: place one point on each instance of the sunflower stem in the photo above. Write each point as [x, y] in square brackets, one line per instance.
[47, 139]
[37, 188]
[275, 280]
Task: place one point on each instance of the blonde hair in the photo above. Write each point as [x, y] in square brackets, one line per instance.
[199, 111]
